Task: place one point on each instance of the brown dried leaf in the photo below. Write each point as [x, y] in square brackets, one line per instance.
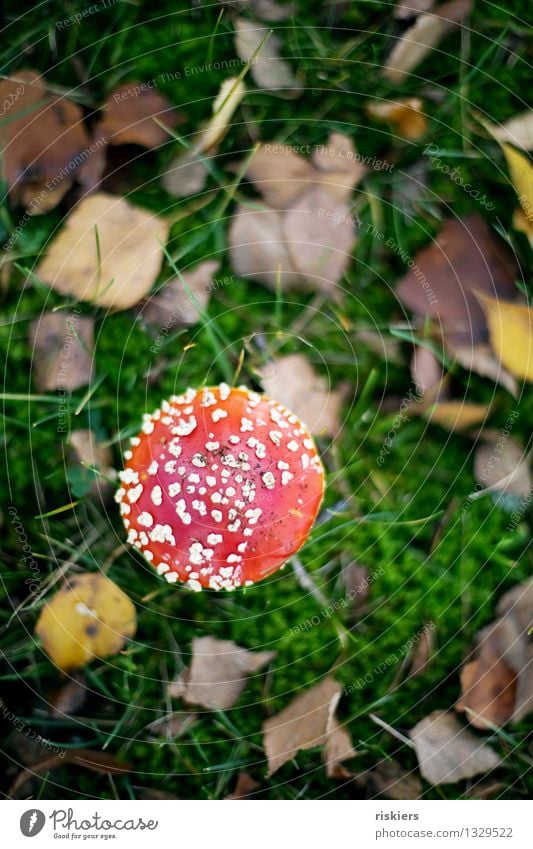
[88, 617]
[44, 141]
[338, 748]
[279, 174]
[293, 381]
[89, 452]
[447, 752]
[101, 762]
[338, 168]
[244, 787]
[116, 269]
[258, 249]
[218, 673]
[405, 115]
[391, 780]
[517, 131]
[502, 465]
[465, 258]
[174, 725]
[427, 31]
[321, 233]
[480, 359]
[423, 651]
[187, 172]
[178, 305]
[303, 724]
[497, 686]
[354, 578]
[62, 348]
[427, 372]
[186, 175]
[128, 117]
[268, 69]
[70, 698]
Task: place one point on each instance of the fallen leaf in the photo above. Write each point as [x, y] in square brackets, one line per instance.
[280, 174]
[382, 344]
[391, 780]
[480, 358]
[427, 372]
[92, 455]
[485, 790]
[173, 725]
[149, 793]
[259, 46]
[89, 617]
[303, 724]
[338, 748]
[517, 131]
[338, 166]
[225, 104]
[523, 223]
[293, 381]
[411, 8]
[178, 303]
[218, 673]
[95, 761]
[62, 350]
[44, 141]
[322, 232]
[465, 259]
[522, 180]
[305, 242]
[417, 41]
[501, 465]
[511, 334]
[258, 249]
[455, 415]
[423, 651]
[187, 173]
[69, 698]
[447, 752]
[90, 469]
[244, 787]
[128, 117]
[497, 685]
[521, 177]
[405, 115]
[265, 10]
[489, 687]
[108, 252]
[355, 580]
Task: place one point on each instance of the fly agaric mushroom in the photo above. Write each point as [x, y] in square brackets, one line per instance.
[220, 487]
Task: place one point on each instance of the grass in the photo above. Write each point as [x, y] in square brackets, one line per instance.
[450, 569]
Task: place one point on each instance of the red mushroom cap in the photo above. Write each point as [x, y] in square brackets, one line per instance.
[220, 488]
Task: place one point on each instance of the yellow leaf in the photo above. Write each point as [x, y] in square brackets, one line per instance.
[89, 617]
[108, 252]
[457, 415]
[522, 180]
[510, 329]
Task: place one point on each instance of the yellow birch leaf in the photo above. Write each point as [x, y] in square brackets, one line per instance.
[511, 334]
[88, 617]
